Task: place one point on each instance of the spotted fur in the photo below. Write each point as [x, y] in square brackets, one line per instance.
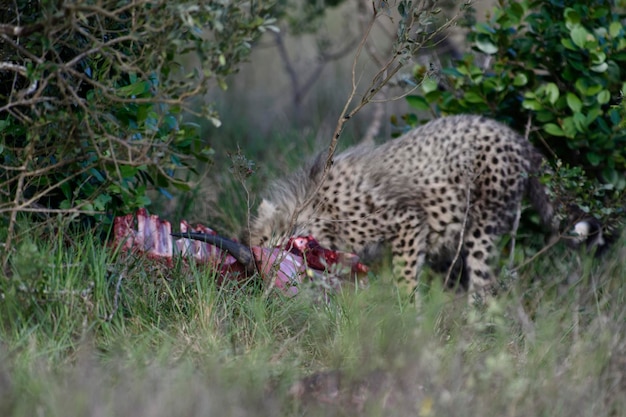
[412, 193]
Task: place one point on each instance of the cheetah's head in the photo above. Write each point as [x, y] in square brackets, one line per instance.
[270, 227]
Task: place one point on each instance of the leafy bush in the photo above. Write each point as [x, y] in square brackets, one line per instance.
[552, 69]
[93, 98]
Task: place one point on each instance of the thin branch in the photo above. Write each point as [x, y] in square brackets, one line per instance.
[17, 31]
[518, 216]
[325, 59]
[284, 56]
[9, 66]
[98, 48]
[20, 69]
[99, 11]
[17, 206]
[539, 253]
[300, 89]
[20, 49]
[459, 248]
[26, 102]
[382, 77]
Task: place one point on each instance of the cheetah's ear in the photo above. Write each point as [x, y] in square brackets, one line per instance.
[267, 209]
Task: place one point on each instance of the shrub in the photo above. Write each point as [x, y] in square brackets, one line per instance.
[552, 69]
[93, 98]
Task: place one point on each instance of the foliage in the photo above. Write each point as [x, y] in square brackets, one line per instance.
[552, 69]
[93, 98]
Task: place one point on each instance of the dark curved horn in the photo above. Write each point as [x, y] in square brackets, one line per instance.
[240, 252]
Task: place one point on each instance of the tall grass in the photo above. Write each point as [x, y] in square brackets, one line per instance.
[89, 331]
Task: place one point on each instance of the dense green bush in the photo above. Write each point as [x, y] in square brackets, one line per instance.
[92, 98]
[555, 70]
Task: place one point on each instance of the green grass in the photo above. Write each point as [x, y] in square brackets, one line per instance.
[87, 331]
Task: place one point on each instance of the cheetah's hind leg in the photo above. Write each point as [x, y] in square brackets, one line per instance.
[409, 253]
[479, 244]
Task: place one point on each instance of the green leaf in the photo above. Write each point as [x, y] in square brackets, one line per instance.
[65, 205]
[472, 97]
[600, 12]
[128, 171]
[428, 85]
[594, 159]
[486, 46]
[580, 36]
[587, 87]
[572, 18]
[516, 10]
[545, 116]
[600, 68]
[604, 96]
[532, 104]
[418, 102]
[135, 89]
[451, 71]
[569, 129]
[182, 186]
[567, 43]
[592, 115]
[484, 29]
[410, 119]
[101, 201]
[87, 207]
[97, 175]
[142, 201]
[170, 122]
[615, 116]
[553, 129]
[598, 57]
[520, 79]
[573, 102]
[433, 96]
[552, 92]
[579, 122]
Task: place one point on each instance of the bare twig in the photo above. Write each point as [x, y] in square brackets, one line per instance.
[9, 66]
[538, 254]
[382, 77]
[299, 88]
[518, 215]
[518, 212]
[459, 247]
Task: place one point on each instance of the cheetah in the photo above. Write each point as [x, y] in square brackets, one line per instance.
[456, 177]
